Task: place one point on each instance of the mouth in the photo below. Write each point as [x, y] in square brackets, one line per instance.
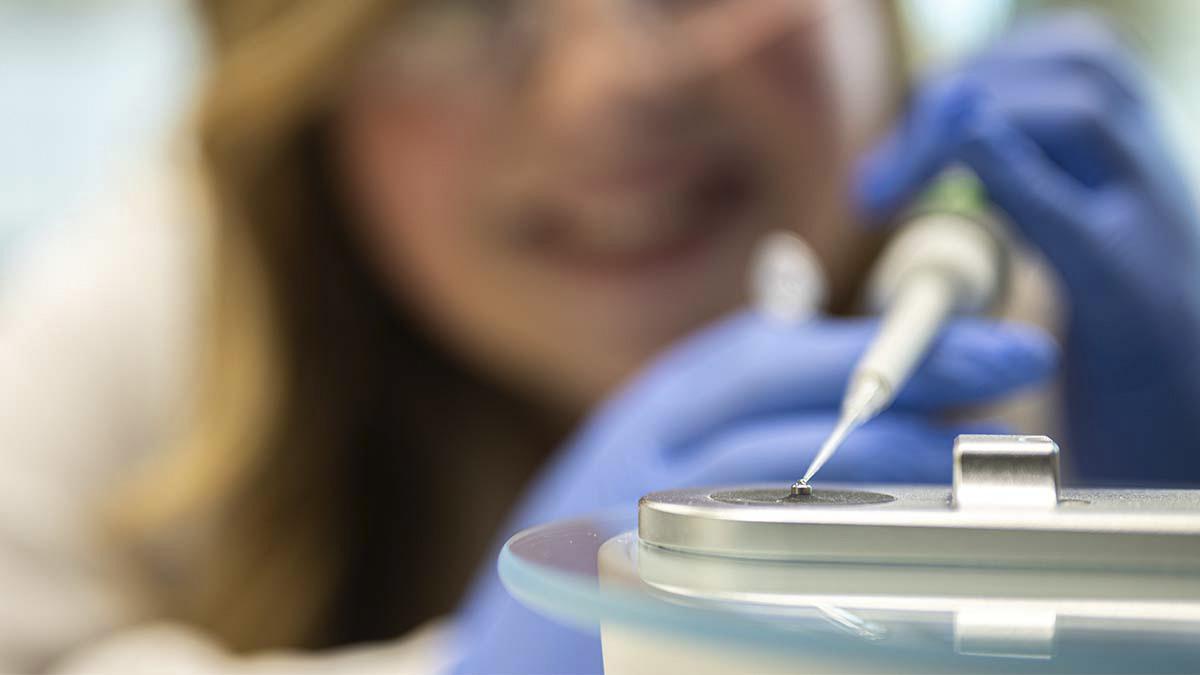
[656, 216]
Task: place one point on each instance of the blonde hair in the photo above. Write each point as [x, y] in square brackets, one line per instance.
[260, 440]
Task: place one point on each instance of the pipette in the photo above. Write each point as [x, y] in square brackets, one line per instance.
[945, 260]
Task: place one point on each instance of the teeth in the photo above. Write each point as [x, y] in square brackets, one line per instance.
[636, 223]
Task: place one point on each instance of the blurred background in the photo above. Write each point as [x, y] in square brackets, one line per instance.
[95, 94]
[92, 88]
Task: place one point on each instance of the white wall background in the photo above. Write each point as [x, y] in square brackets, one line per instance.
[88, 89]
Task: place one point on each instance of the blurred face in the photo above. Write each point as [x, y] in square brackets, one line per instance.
[561, 188]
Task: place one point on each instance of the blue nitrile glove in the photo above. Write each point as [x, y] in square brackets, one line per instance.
[748, 400]
[1053, 121]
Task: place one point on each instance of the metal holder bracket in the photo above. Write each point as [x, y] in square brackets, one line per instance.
[1005, 472]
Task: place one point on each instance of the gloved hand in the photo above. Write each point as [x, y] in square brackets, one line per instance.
[1054, 123]
[748, 400]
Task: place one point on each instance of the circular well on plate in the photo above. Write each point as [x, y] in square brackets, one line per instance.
[783, 497]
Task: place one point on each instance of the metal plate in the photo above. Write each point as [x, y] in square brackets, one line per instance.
[1093, 529]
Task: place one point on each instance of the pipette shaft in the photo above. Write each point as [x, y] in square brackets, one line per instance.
[908, 329]
[946, 260]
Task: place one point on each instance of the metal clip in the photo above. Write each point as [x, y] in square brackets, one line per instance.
[1005, 472]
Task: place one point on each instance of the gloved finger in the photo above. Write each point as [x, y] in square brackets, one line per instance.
[1076, 228]
[1080, 122]
[917, 149]
[1075, 122]
[1081, 41]
[1091, 48]
[1084, 82]
[1046, 204]
[1083, 124]
[976, 360]
[749, 367]
[891, 448]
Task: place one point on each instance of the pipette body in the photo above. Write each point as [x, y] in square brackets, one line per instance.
[944, 261]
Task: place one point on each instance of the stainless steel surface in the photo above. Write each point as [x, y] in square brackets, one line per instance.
[1005, 472]
[1155, 529]
[1016, 612]
[1005, 508]
[1008, 613]
[1082, 594]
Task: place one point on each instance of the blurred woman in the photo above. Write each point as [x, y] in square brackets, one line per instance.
[435, 235]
